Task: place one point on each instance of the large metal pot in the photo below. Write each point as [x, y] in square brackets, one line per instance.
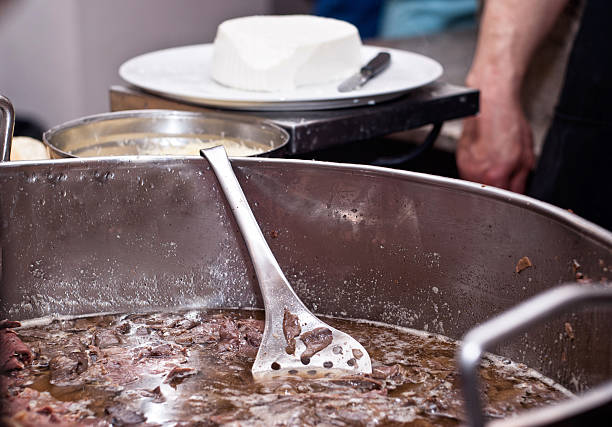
[123, 234]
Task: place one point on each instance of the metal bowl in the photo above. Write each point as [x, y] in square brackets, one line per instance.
[162, 132]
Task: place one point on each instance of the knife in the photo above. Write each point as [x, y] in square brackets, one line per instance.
[377, 65]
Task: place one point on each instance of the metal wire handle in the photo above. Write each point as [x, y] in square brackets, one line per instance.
[6, 128]
[484, 336]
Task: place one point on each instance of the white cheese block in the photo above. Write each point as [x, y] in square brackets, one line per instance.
[280, 53]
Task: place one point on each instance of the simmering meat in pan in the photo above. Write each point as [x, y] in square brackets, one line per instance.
[193, 368]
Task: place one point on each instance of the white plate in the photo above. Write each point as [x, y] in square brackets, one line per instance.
[183, 73]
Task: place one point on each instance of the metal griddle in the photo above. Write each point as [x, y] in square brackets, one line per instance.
[316, 130]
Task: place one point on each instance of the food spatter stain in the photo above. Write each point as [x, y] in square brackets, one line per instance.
[522, 264]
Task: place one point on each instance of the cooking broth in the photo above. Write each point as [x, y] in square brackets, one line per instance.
[193, 368]
[157, 145]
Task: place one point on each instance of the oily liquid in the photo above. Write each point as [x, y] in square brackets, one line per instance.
[157, 145]
[131, 369]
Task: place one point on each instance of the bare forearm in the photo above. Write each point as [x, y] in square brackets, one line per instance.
[496, 147]
[510, 32]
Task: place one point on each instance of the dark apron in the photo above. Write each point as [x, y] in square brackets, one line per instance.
[575, 167]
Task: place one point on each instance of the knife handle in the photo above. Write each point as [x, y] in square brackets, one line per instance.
[376, 65]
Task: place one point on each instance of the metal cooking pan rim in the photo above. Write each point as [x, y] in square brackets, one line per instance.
[569, 219]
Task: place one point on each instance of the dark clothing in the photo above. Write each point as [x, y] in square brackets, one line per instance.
[364, 14]
[575, 168]
[587, 92]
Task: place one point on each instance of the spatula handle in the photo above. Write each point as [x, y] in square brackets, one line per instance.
[272, 281]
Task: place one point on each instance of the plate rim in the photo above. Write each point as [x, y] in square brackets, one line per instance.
[284, 102]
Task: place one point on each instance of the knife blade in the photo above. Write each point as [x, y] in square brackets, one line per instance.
[376, 66]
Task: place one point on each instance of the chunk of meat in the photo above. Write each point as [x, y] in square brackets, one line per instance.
[228, 330]
[291, 330]
[238, 336]
[383, 372]
[40, 409]
[62, 368]
[142, 330]
[159, 351]
[105, 338]
[178, 373]
[359, 382]
[156, 394]
[121, 415]
[315, 341]
[162, 350]
[205, 334]
[9, 324]
[123, 328]
[187, 324]
[66, 368]
[251, 332]
[14, 354]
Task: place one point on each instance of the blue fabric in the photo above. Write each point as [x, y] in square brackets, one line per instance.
[400, 18]
[364, 14]
[406, 18]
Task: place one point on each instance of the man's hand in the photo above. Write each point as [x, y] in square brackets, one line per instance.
[496, 148]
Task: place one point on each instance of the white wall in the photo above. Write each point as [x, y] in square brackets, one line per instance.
[59, 57]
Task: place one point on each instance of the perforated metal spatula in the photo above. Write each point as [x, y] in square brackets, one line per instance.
[294, 341]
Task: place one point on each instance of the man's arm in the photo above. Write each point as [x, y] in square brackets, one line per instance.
[496, 147]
